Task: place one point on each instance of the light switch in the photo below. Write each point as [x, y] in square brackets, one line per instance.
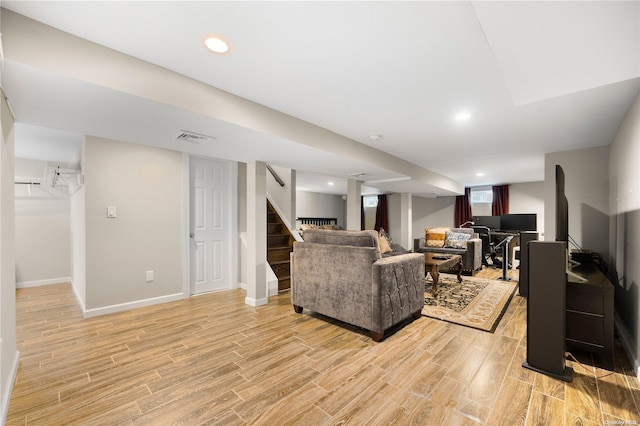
[111, 212]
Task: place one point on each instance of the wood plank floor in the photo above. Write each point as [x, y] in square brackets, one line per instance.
[214, 360]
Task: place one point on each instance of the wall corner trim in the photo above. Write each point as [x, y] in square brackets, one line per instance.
[255, 302]
[8, 388]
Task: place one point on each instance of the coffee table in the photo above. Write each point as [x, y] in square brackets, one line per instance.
[434, 262]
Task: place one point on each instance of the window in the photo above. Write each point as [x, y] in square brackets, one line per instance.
[481, 196]
[371, 201]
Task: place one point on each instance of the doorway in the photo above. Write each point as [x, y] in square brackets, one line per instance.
[211, 223]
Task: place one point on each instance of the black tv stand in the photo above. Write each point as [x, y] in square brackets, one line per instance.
[589, 313]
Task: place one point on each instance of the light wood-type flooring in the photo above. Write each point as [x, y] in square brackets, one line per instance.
[212, 359]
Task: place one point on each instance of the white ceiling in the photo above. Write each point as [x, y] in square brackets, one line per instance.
[536, 77]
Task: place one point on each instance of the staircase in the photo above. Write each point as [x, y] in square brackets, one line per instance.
[279, 246]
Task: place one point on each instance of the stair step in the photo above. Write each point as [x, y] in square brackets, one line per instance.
[284, 285]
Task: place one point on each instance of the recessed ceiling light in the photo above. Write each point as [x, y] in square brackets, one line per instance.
[480, 174]
[330, 183]
[462, 116]
[375, 138]
[216, 44]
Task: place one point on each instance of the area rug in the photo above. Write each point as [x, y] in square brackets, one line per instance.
[475, 302]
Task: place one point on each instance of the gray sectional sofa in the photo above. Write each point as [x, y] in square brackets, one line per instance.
[471, 255]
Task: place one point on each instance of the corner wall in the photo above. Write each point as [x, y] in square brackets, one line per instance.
[144, 184]
[624, 225]
[587, 189]
[8, 354]
[42, 230]
[314, 204]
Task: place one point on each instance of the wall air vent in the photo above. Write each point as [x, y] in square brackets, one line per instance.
[193, 137]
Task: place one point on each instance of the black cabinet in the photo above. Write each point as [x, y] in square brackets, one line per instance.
[589, 318]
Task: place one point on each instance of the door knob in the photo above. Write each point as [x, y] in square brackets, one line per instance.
[191, 235]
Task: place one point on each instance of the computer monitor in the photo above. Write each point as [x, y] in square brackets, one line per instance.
[491, 222]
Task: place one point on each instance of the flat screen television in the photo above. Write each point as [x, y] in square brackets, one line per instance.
[562, 222]
[562, 208]
[518, 222]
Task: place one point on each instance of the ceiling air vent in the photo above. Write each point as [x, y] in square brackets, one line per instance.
[193, 137]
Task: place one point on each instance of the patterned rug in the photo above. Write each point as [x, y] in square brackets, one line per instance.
[475, 302]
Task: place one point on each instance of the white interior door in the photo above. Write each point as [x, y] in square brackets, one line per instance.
[210, 183]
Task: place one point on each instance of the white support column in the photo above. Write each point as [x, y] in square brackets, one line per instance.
[256, 234]
[354, 204]
[406, 221]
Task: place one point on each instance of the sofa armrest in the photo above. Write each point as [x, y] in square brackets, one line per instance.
[473, 260]
[398, 289]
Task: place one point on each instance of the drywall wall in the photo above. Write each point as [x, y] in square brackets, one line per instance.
[314, 204]
[432, 212]
[42, 229]
[587, 189]
[284, 197]
[624, 242]
[144, 185]
[528, 197]
[8, 354]
[78, 239]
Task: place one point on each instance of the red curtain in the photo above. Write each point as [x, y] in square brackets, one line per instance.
[463, 208]
[500, 204]
[382, 214]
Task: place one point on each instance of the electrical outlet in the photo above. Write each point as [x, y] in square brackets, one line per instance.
[149, 276]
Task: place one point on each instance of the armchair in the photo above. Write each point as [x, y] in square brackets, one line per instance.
[341, 274]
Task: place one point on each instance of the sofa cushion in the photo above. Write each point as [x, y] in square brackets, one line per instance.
[456, 240]
[435, 236]
[385, 247]
[344, 238]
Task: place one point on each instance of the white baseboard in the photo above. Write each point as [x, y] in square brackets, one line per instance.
[255, 302]
[8, 388]
[78, 298]
[627, 344]
[36, 283]
[88, 313]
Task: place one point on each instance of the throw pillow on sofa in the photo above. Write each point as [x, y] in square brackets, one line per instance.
[384, 242]
[456, 240]
[435, 237]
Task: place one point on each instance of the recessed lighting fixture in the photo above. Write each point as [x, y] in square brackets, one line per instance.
[216, 44]
[480, 174]
[462, 116]
[374, 138]
[330, 183]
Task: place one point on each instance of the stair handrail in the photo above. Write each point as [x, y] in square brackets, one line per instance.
[275, 175]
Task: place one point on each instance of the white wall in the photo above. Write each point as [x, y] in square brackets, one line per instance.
[145, 186]
[432, 212]
[528, 197]
[284, 197]
[8, 353]
[42, 229]
[624, 242]
[314, 204]
[587, 189]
